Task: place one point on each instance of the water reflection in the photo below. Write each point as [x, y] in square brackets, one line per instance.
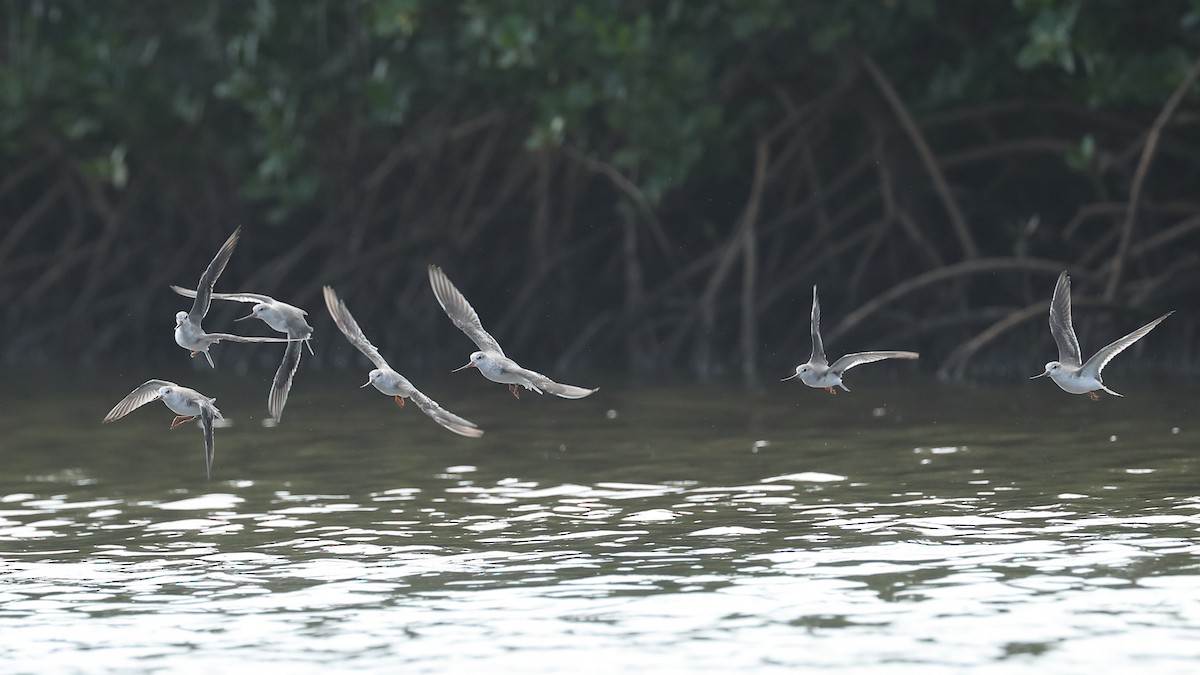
[934, 536]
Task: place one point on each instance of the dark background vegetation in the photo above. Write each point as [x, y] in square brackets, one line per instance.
[632, 186]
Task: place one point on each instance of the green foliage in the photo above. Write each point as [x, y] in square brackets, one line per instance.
[1050, 32]
[388, 132]
[1088, 42]
[865, 23]
[649, 77]
[1082, 156]
[270, 91]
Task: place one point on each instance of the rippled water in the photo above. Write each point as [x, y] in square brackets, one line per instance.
[929, 529]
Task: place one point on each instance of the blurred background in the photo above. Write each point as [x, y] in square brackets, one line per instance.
[638, 187]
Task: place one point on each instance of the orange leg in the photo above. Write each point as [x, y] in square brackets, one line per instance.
[515, 391]
[182, 419]
[400, 401]
[193, 352]
[1093, 395]
[831, 390]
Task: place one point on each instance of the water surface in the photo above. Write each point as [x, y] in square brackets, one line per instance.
[924, 529]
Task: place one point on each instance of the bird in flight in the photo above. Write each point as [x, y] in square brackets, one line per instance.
[188, 333]
[490, 359]
[819, 373]
[388, 381]
[187, 404]
[1070, 372]
[283, 318]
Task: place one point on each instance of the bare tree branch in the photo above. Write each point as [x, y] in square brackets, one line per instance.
[957, 220]
[1139, 178]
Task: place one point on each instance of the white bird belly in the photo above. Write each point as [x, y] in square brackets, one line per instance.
[392, 384]
[820, 381]
[1074, 384]
[186, 337]
[274, 318]
[496, 372]
[182, 405]
[505, 378]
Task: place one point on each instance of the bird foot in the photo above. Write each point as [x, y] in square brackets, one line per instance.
[515, 391]
[400, 401]
[193, 352]
[831, 390]
[1093, 395]
[182, 419]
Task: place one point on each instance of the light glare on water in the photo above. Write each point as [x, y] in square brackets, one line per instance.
[918, 530]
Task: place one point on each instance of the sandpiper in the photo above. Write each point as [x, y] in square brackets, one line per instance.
[281, 317]
[188, 404]
[388, 381]
[490, 359]
[818, 373]
[1070, 372]
[188, 333]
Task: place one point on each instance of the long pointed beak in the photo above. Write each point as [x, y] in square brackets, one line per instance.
[361, 386]
[790, 377]
[245, 317]
[1037, 376]
[462, 367]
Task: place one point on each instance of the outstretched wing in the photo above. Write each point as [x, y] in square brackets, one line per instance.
[145, 393]
[297, 326]
[217, 337]
[1060, 323]
[349, 327]
[460, 311]
[851, 360]
[210, 445]
[545, 384]
[253, 298]
[447, 419]
[1101, 358]
[818, 348]
[204, 288]
[283, 379]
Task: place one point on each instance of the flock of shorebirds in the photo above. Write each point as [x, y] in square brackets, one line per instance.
[1070, 372]
[190, 405]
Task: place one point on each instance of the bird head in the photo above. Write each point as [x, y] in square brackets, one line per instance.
[373, 377]
[255, 313]
[1051, 368]
[476, 359]
[801, 370]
